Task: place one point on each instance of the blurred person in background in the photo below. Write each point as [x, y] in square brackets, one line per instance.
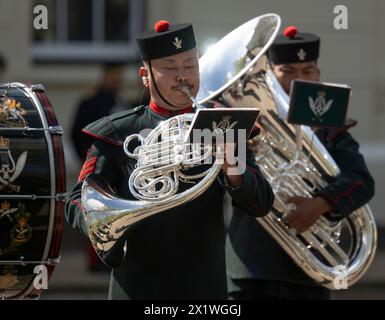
[3, 67]
[103, 102]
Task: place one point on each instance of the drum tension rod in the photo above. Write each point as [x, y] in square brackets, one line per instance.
[23, 262]
[58, 197]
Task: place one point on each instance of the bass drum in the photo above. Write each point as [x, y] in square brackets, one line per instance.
[32, 191]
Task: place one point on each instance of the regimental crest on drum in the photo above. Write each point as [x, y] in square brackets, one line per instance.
[8, 278]
[22, 231]
[9, 170]
[12, 113]
[6, 212]
[17, 220]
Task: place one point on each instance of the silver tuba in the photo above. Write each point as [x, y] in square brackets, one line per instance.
[163, 159]
[236, 73]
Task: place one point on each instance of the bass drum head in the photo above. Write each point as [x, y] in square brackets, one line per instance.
[32, 190]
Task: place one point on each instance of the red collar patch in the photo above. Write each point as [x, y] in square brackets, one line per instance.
[165, 112]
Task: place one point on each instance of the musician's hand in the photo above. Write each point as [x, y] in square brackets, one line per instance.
[229, 167]
[306, 213]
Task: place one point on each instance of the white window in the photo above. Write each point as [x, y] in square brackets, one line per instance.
[89, 31]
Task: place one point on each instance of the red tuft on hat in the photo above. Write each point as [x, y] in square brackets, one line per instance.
[290, 32]
[162, 25]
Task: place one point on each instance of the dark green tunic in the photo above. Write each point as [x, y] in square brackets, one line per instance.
[177, 254]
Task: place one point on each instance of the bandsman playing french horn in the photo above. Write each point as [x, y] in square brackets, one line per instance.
[179, 253]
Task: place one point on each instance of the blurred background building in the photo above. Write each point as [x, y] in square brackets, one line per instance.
[82, 35]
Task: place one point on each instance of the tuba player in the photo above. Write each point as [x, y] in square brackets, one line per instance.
[258, 268]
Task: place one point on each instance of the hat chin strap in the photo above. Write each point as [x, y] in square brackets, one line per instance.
[156, 87]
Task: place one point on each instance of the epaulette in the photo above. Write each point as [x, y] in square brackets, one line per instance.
[105, 130]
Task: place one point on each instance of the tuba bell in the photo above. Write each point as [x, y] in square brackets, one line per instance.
[236, 73]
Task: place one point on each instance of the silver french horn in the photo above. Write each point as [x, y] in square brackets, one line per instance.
[162, 161]
[236, 73]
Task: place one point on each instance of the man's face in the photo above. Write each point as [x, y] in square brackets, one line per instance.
[171, 74]
[286, 73]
